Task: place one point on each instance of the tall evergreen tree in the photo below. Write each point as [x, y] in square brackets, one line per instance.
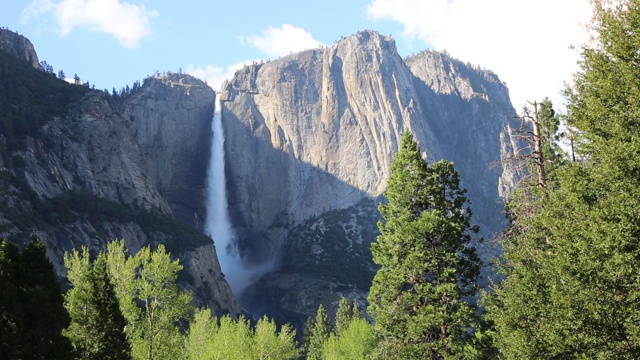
[320, 334]
[33, 314]
[97, 324]
[11, 310]
[572, 288]
[419, 297]
[347, 312]
[307, 334]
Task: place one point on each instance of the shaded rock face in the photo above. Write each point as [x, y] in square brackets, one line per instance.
[19, 46]
[171, 120]
[150, 149]
[316, 131]
[142, 159]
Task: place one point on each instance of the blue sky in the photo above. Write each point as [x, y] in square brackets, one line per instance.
[112, 43]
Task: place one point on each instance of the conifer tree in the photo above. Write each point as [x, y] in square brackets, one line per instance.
[419, 296]
[572, 288]
[320, 334]
[32, 313]
[97, 324]
[347, 312]
[307, 334]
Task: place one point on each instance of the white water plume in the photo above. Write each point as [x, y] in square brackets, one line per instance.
[217, 224]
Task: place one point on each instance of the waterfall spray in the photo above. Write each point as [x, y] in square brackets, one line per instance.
[217, 224]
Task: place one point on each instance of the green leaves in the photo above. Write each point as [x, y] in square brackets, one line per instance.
[209, 338]
[150, 300]
[357, 341]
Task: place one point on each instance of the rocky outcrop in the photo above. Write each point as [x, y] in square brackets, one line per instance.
[472, 115]
[19, 46]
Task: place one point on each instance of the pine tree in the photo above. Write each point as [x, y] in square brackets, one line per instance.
[419, 297]
[572, 288]
[307, 334]
[11, 310]
[97, 324]
[31, 304]
[346, 313]
[320, 334]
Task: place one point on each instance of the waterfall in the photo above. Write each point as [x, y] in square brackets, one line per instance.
[217, 224]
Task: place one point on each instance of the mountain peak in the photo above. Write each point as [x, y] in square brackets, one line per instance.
[369, 39]
[19, 46]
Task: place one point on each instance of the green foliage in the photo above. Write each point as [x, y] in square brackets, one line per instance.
[307, 334]
[550, 140]
[28, 99]
[419, 297]
[320, 333]
[231, 339]
[150, 301]
[202, 330]
[572, 285]
[271, 344]
[97, 325]
[358, 340]
[346, 313]
[32, 315]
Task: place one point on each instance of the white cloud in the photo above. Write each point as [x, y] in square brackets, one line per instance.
[282, 41]
[525, 42]
[128, 23]
[215, 75]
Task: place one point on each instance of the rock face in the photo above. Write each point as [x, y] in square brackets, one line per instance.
[19, 46]
[316, 131]
[171, 120]
[117, 167]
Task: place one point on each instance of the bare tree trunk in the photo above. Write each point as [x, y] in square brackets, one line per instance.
[537, 147]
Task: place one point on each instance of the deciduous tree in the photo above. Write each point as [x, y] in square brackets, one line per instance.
[150, 301]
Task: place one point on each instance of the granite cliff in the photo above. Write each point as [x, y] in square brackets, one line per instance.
[19, 46]
[310, 139]
[104, 167]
